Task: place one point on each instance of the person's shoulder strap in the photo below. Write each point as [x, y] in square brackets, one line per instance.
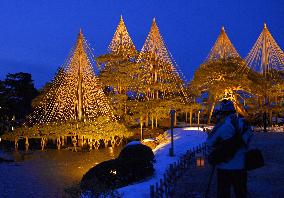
[240, 124]
[235, 121]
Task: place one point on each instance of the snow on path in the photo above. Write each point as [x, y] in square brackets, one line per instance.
[184, 139]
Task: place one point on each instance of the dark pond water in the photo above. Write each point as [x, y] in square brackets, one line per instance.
[47, 173]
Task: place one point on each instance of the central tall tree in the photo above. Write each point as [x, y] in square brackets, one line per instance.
[161, 81]
[219, 77]
[158, 73]
[219, 80]
[118, 65]
[119, 70]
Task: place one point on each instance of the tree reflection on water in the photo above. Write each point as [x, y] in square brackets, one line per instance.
[47, 173]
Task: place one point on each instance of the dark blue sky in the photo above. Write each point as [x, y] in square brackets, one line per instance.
[36, 35]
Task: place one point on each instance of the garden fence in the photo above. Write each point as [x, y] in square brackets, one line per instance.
[165, 187]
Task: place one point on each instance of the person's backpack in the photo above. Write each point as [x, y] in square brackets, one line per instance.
[225, 150]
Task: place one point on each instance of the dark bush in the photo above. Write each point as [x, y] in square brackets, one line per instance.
[100, 175]
[134, 163]
[137, 152]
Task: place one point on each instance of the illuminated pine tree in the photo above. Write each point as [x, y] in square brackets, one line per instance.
[266, 56]
[222, 49]
[75, 93]
[219, 75]
[119, 73]
[121, 41]
[159, 73]
[160, 81]
[119, 64]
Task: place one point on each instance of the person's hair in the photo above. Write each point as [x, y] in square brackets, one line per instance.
[227, 107]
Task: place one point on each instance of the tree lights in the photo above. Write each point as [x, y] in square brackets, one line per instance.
[158, 73]
[265, 56]
[121, 40]
[222, 49]
[145, 85]
[75, 92]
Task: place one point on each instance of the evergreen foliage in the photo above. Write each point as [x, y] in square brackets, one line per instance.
[220, 79]
[16, 93]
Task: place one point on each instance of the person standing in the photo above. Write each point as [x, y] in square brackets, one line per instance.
[232, 136]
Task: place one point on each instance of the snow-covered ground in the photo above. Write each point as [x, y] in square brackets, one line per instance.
[265, 182]
[270, 129]
[184, 139]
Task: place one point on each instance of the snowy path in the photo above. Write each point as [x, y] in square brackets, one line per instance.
[184, 139]
[262, 183]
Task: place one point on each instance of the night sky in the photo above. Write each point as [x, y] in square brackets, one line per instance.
[37, 35]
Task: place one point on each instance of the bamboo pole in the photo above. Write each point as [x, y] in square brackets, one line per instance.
[58, 143]
[42, 143]
[27, 143]
[90, 143]
[16, 144]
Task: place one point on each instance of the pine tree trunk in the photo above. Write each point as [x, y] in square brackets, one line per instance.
[16, 144]
[211, 111]
[265, 114]
[190, 117]
[147, 121]
[156, 121]
[62, 141]
[175, 123]
[277, 113]
[270, 117]
[125, 108]
[152, 121]
[264, 122]
[27, 144]
[42, 143]
[141, 127]
[90, 143]
[58, 143]
[157, 94]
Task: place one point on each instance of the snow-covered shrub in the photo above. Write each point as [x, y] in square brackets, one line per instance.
[136, 162]
[151, 142]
